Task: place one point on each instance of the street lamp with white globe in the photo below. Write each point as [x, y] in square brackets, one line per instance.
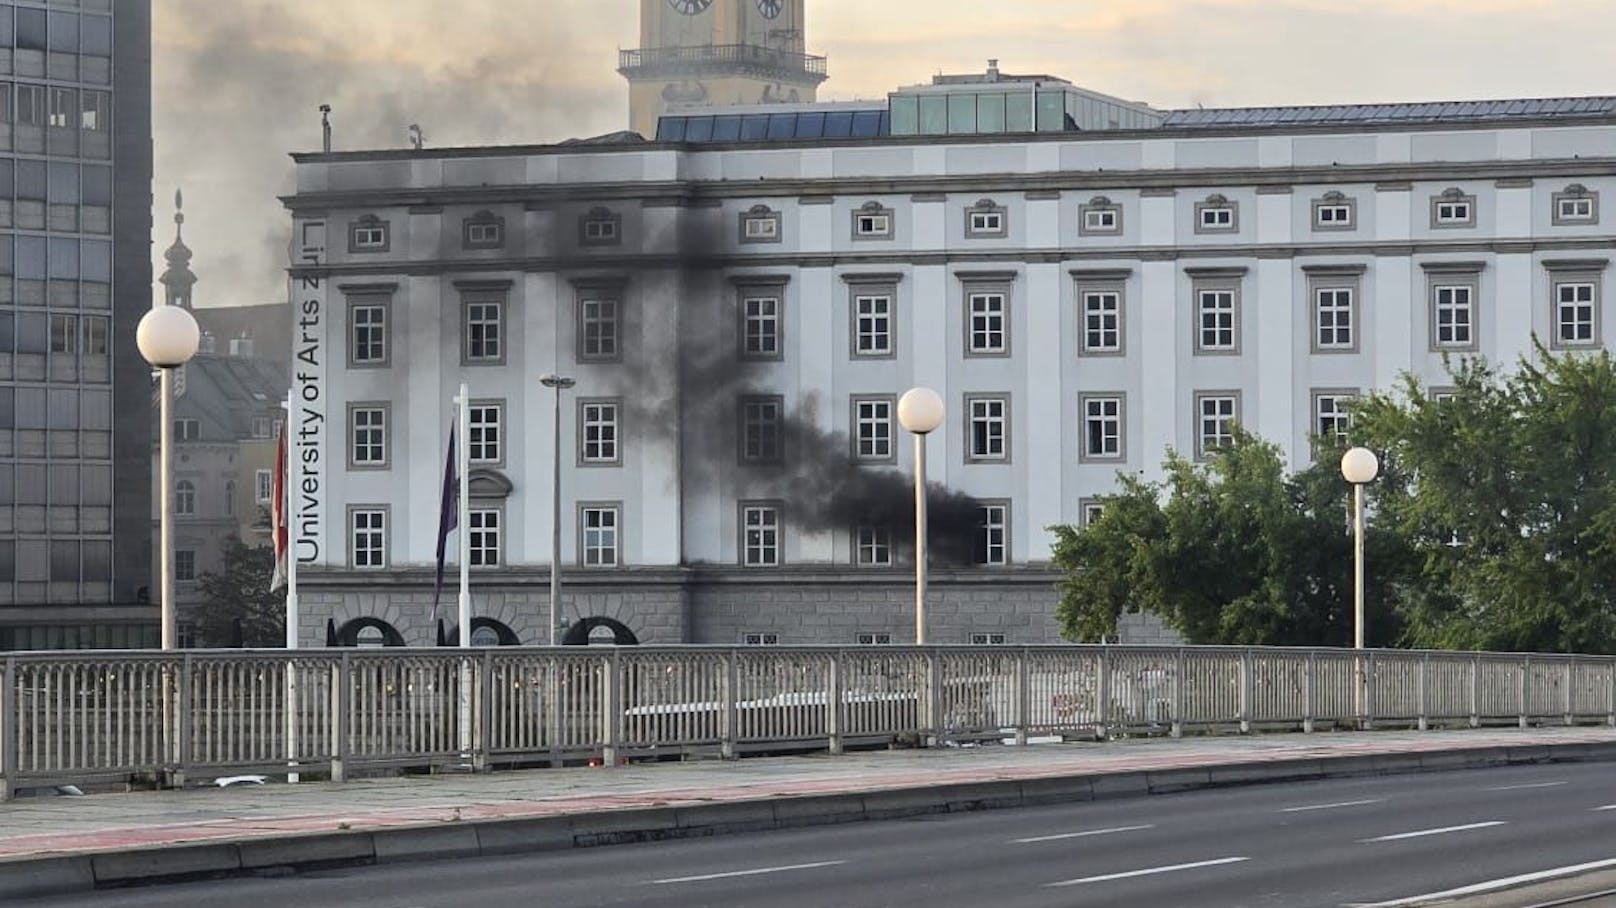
[1359, 466]
[167, 337]
[920, 411]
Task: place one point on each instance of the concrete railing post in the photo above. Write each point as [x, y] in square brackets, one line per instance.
[483, 731]
[934, 696]
[10, 750]
[1023, 697]
[1523, 688]
[1308, 674]
[833, 702]
[183, 748]
[729, 703]
[342, 697]
[1247, 689]
[1425, 692]
[1102, 694]
[1177, 717]
[612, 711]
[1610, 693]
[1475, 690]
[1570, 703]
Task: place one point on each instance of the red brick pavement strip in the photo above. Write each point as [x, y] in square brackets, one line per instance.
[1093, 763]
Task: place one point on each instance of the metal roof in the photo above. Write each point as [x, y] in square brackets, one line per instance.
[836, 123]
[1424, 112]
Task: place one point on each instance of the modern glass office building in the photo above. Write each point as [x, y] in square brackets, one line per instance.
[75, 277]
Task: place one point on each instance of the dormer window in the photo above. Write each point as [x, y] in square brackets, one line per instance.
[1576, 205]
[872, 222]
[483, 231]
[600, 227]
[1334, 212]
[760, 224]
[985, 219]
[368, 234]
[1099, 216]
[1216, 215]
[1453, 209]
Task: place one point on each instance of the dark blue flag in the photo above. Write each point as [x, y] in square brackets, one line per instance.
[448, 515]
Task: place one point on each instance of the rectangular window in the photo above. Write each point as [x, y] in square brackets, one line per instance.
[1576, 205]
[758, 638]
[874, 546]
[760, 327]
[484, 528]
[64, 333]
[1330, 416]
[263, 485]
[993, 534]
[1217, 413]
[368, 431]
[1216, 312]
[1216, 215]
[994, 639]
[1453, 209]
[598, 524]
[95, 114]
[1089, 511]
[984, 221]
[988, 427]
[598, 432]
[64, 108]
[1102, 427]
[187, 430]
[260, 426]
[760, 225]
[874, 639]
[96, 328]
[368, 538]
[872, 429]
[1333, 311]
[1453, 316]
[1100, 219]
[1576, 319]
[988, 331]
[600, 228]
[367, 334]
[184, 565]
[31, 105]
[484, 331]
[872, 324]
[484, 234]
[483, 433]
[761, 429]
[1332, 216]
[872, 222]
[1102, 321]
[760, 535]
[598, 326]
[368, 235]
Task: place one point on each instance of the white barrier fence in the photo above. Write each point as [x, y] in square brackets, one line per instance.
[87, 717]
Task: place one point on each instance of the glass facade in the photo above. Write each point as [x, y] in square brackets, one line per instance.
[72, 483]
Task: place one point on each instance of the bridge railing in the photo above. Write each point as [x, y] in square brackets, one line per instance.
[87, 717]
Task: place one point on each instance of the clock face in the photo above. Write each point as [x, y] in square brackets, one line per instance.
[690, 7]
[770, 8]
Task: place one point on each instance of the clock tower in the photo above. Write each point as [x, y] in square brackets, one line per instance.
[717, 53]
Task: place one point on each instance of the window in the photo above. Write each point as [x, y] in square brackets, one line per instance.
[1576, 205]
[484, 330]
[989, 419]
[367, 428]
[598, 432]
[1453, 209]
[994, 639]
[1334, 212]
[1217, 412]
[367, 334]
[483, 433]
[1217, 319]
[987, 328]
[187, 430]
[872, 222]
[1332, 319]
[874, 639]
[64, 108]
[760, 535]
[368, 234]
[985, 220]
[229, 498]
[1100, 216]
[760, 225]
[872, 429]
[1576, 319]
[1102, 427]
[598, 329]
[872, 323]
[261, 426]
[760, 326]
[96, 328]
[1102, 319]
[185, 565]
[1330, 416]
[1089, 511]
[484, 530]
[759, 638]
[31, 105]
[1217, 215]
[1453, 316]
[263, 486]
[483, 231]
[993, 534]
[598, 525]
[761, 429]
[368, 538]
[95, 114]
[64, 333]
[185, 497]
[873, 546]
[600, 227]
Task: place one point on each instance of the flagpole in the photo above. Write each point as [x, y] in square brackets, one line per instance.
[289, 509]
[463, 455]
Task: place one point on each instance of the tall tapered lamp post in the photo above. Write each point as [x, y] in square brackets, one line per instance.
[1359, 466]
[167, 337]
[556, 383]
[920, 411]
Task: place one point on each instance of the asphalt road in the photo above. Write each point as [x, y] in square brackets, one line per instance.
[1333, 843]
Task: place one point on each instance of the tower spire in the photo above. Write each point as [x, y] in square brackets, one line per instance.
[178, 279]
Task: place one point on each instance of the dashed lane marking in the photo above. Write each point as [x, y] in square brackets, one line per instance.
[1148, 871]
[1333, 806]
[1081, 835]
[1441, 830]
[754, 872]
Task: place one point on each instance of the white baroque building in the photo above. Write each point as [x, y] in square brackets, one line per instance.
[1087, 282]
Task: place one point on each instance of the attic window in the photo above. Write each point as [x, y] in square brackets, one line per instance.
[600, 227]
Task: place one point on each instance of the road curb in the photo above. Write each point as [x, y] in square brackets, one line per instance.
[56, 874]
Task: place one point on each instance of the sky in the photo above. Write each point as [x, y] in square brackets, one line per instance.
[238, 84]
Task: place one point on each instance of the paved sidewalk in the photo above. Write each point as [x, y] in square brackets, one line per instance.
[64, 844]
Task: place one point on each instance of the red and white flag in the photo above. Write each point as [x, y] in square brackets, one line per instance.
[277, 513]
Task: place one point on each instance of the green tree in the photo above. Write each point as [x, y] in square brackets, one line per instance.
[1228, 551]
[240, 609]
[1505, 489]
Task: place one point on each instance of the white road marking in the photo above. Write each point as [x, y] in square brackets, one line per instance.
[1080, 835]
[1332, 806]
[1439, 831]
[756, 872]
[1145, 872]
[1607, 807]
[1527, 785]
[1493, 885]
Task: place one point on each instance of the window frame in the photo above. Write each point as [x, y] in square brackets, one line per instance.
[600, 226]
[985, 526]
[263, 482]
[369, 222]
[1214, 203]
[1457, 275]
[1085, 454]
[873, 209]
[354, 512]
[187, 559]
[1561, 278]
[1089, 510]
[1334, 201]
[470, 301]
[745, 295]
[477, 544]
[1341, 398]
[873, 290]
[1576, 192]
[585, 509]
[383, 305]
[1334, 279]
[985, 208]
[1201, 399]
[1099, 205]
[744, 552]
[759, 214]
[874, 539]
[971, 420]
[972, 291]
[186, 497]
[1453, 195]
[497, 405]
[584, 406]
[857, 422]
[1200, 287]
[776, 448]
[599, 295]
[487, 220]
[384, 408]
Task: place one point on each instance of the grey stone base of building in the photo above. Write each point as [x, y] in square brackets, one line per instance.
[708, 605]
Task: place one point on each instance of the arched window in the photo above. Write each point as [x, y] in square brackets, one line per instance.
[185, 497]
[230, 498]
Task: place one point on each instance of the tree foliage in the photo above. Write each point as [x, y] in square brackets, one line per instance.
[240, 609]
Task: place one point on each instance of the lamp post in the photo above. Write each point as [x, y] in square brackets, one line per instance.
[167, 337]
[920, 411]
[1359, 466]
[556, 383]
